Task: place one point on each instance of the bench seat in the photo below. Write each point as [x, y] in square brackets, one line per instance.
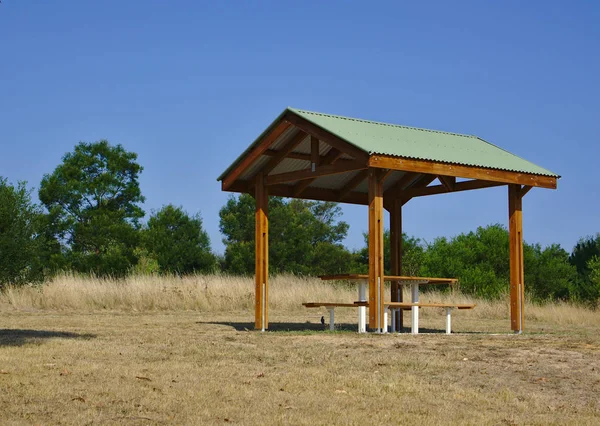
[334, 305]
[408, 305]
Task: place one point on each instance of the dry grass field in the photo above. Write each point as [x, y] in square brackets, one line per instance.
[169, 351]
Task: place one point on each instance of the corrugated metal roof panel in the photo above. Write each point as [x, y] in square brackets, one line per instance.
[255, 167]
[423, 144]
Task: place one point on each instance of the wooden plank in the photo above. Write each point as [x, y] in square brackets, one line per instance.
[431, 305]
[525, 189]
[517, 287]
[261, 292]
[306, 157]
[396, 256]
[318, 194]
[459, 186]
[326, 136]
[421, 183]
[256, 152]
[401, 185]
[283, 152]
[376, 273]
[448, 181]
[403, 278]
[334, 305]
[438, 168]
[314, 150]
[330, 158]
[323, 170]
[354, 182]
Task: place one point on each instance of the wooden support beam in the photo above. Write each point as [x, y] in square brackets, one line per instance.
[448, 181]
[459, 186]
[318, 194]
[525, 189]
[284, 152]
[261, 292]
[354, 182]
[314, 150]
[396, 256]
[332, 169]
[473, 172]
[330, 158]
[385, 174]
[333, 140]
[517, 273]
[376, 273]
[255, 153]
[396, 190]
[419, 184]
[306, 157]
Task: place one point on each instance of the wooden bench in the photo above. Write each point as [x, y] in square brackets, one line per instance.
[331, 306]
[393, 306]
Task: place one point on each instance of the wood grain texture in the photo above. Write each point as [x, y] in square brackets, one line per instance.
[473, 172]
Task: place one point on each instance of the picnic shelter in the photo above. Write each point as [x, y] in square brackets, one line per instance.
[325, 157]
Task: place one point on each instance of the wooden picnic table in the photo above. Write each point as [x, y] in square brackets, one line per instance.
[414, 282]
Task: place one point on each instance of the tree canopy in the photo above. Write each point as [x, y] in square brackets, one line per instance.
[93, 201]
[21, 239]
[304, 236]
[178, 242]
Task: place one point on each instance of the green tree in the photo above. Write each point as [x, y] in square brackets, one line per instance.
[93, 201]
[178, 242]
[304, 236]
[21, 239]
[413, 254]
[594, 266]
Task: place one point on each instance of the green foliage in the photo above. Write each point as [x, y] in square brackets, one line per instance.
[92, 201]
[478, 259]
[594, 266]
[178, 242]
[304, 236]
[21, 240]
[413, 254]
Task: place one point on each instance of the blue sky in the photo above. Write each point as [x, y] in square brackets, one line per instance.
[189, 84]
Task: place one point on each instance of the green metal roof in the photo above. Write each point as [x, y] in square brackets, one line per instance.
[423, 144]
[411, 142]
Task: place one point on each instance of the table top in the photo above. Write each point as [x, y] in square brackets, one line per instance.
[402, 279]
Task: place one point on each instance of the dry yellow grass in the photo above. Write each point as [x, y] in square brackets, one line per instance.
[170, 351]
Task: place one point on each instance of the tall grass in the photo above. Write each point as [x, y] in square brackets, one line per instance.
[233, 293]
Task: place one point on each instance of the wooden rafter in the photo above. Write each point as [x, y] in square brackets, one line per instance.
[524, 190]
[422, 182]
[457, 170]
[442, 189]
[402, 184]
[354, 182]
[256, 152]
[284, 152]
[314, 151]
[333, 140]
[305, 157]
[330, 158]
[330, 169]
[319, 194]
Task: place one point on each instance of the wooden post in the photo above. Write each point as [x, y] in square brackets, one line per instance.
[396, 258]
[376, 283]
[517, 273]
[261, 310]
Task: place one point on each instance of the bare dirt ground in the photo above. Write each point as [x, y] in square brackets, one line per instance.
[198, 368]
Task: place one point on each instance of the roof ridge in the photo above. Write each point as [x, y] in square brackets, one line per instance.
[381, 123]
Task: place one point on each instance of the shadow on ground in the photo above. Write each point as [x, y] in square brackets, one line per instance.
[305, 327]
[16, 337]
